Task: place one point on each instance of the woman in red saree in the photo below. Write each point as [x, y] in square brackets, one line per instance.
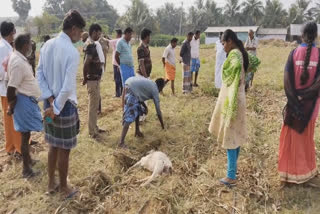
[297, 156]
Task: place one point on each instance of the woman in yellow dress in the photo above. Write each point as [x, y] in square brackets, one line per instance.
[228, 123]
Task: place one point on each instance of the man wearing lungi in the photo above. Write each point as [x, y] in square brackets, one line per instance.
[195, 54]
[185, 54]
[23, 93]
[169, 62]
[56, 74]
[138, 90]
[124, 56]
[12, 137]
[92, 71]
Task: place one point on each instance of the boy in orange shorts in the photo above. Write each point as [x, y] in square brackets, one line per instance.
[169, 62]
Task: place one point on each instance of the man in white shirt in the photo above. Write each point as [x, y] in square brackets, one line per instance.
[195, 54]
[92, 72]
[169, 62]
[23, 92]
[251, 46]
[57, 78]
[221, 56]
[12, 137]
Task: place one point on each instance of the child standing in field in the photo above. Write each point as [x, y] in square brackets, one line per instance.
[169, 62]
[228, 122]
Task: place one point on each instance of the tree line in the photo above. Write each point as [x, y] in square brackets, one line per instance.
[172, 19]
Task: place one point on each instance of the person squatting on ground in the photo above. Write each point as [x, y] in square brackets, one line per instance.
[138, 90]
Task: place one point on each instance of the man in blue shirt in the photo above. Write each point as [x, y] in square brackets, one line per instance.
[124, 56]
[138, 90]
[57, 71]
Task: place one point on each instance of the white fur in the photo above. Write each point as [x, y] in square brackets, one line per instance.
[156, 162]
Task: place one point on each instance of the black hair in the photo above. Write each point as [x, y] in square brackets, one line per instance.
[94, 28]
[6, 28]
[46, 38]
[119, 31]
[128, 30]
[73, 18]
[174, 40]
[160, 83]
[145, 33]
[190, 34]
[309, 34]
[22, 40]
[230, 35]
[197, 32]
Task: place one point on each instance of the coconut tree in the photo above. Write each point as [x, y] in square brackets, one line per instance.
[299, 12]
[138, 16]
[275, 14]
[253, 11]
[316, 11]
[168, 17]
[232, 11]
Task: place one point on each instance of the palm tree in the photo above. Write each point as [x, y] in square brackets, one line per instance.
[316, 11]
[253, 10]
[299, 12]
[204, 14]
[275, 15]
[168, 17]
[138, 16]
[232, 11]
[213, 13]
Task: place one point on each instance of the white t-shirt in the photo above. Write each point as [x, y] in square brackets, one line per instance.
[20, 75]
[5, 51]
[169, 55]
[195, 48]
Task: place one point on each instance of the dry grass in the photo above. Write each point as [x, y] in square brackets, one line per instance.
[98, 169]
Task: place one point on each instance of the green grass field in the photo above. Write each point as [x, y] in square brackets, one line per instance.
[98, 169]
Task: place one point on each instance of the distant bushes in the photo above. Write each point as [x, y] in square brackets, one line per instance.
[162, 40]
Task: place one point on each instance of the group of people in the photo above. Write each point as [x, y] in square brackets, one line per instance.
[55, 84]
[297, 155]
[250, 46]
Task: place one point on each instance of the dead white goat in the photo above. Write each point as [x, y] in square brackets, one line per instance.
[156, 162]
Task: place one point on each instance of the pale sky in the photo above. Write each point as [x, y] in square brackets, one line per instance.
[121, 5]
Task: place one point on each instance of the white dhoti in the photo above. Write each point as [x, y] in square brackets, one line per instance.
[220, 58]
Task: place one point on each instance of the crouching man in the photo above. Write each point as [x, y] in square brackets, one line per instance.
[137, 90]
[23, 92]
